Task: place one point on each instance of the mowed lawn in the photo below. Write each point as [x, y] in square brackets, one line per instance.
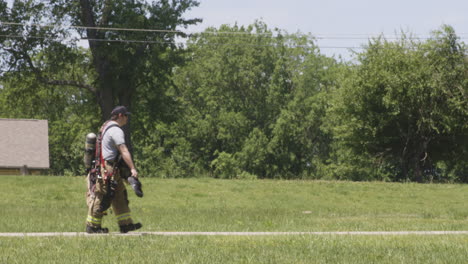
[57, 204]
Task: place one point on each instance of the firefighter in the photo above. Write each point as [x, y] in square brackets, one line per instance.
[108, 189]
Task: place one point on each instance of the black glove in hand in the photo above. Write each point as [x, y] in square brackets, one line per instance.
[136, 186]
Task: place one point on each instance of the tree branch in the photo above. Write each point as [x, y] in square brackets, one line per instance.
[106, 10]
[90, 88]
[41, 78]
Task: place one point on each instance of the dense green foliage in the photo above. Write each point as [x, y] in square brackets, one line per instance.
[238, 101]
[123, 61]
[71, 113]
[252, 104]
[402, 113]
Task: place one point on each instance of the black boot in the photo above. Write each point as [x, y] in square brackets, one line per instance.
[96, 230]
[129, 227]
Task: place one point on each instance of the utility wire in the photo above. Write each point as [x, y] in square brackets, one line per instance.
[208, 44]
[344, 36]
[347, 36]
[163, 42]
[96, 28]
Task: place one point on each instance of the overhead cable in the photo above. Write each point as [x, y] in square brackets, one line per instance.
[208, 44]
[344, 36]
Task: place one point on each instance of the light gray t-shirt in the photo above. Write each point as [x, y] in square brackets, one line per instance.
[113, 137]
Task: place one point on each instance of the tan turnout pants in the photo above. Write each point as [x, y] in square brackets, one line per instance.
[119, 202]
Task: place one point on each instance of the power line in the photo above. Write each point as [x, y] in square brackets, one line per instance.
[162, 42]
[208, 44]
[181, 43]
[347, 36]
[344, 36]
[132, 29]
[95, 28]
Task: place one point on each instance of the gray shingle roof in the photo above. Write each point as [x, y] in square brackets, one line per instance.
[24, 142]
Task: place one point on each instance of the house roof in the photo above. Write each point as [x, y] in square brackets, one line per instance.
[24, 142]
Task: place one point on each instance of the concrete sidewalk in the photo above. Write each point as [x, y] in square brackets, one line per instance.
[359, 233]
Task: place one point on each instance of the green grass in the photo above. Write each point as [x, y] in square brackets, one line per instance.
[199, 249]
[57, 204]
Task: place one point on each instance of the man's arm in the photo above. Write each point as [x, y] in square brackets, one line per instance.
[127, 157]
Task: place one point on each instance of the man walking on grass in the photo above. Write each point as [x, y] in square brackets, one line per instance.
[108, 189]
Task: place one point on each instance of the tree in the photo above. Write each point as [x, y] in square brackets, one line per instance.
[403, 109]
[224, 88]
[252, 103]
[39, 56]
[70, 112]
[299, 146]
[123, 60]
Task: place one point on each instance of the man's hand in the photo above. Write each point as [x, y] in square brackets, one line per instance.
[134, 173]
[136, 186]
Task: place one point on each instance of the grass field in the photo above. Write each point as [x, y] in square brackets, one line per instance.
[57, 204]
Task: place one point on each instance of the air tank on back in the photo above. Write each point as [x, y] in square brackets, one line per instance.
[90, 150]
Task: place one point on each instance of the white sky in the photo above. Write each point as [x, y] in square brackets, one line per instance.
[351, 21]
[335, 18]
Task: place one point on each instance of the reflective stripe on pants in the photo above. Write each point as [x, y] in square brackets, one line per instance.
[119, 203]
[94, 221]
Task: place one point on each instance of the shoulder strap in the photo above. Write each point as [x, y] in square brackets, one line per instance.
[103, 130]
[107, 128]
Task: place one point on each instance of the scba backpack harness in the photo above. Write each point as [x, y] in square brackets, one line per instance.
[95, 171]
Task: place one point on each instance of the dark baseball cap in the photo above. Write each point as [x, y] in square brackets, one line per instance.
[120, 110]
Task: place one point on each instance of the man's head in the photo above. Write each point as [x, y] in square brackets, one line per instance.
[120, 115]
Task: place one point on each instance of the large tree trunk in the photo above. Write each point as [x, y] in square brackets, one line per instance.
[418, 160]
[104, 92]
[107, 83]
[105, 99]
[125, 98]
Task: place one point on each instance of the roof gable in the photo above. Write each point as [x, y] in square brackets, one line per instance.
[24, 142]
